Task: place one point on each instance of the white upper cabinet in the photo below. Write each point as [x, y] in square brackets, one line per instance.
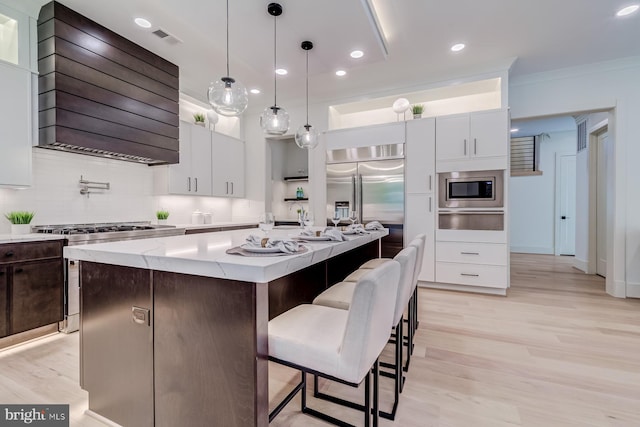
[211, 164]
[366, 136]
[201, 151]
[228, 166]
[15, 126]
[473, 141]
[420, 156]
[18, 103]
[192, 176]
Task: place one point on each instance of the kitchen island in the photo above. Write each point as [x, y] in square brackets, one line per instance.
[174, 329]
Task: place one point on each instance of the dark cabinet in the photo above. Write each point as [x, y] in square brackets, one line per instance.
[31, 285]
[37, 295]
[3, 302]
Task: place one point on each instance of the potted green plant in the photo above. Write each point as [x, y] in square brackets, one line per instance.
[20, 221]
[162, 216]
[199, 118]
[417, 110]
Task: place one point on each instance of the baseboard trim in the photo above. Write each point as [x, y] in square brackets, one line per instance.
[633, 290]
[581, 265]
[540, 250]
[463, 288]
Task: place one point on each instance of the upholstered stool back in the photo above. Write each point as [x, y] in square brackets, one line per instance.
[369, 321]
[418, 242]
[407, 260]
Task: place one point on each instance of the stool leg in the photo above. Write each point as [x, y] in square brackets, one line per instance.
[409, 335]
[376, 376]
[367, 400]
[303, 397]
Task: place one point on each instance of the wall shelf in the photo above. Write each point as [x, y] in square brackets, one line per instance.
[296, 178]
[294, 199]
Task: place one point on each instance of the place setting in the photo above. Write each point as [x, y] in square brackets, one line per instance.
[268, 246]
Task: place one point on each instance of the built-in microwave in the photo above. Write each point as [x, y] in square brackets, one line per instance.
[473, 189]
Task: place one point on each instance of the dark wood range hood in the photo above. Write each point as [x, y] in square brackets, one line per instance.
[101, 94]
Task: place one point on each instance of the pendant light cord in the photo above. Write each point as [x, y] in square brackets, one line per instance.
[227, 38]
[275, 64]
[307, 88]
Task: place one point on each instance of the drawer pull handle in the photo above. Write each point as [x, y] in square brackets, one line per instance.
[470, 253]
[9, 254]
[469, 275]
[19, 270]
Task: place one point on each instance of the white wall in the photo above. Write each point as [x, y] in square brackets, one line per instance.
[55, 194]
[532, 199]
[610, 85]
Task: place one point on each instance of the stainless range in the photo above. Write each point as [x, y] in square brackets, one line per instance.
[83, 234]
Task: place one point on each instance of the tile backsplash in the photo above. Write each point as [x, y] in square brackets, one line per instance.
[55, 194]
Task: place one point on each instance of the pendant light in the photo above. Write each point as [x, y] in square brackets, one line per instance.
[228, 96]
[307, 135]
[274, 120]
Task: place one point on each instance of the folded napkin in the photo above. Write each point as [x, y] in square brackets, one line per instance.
[284, 245]
[373, 225]
[357, 229]
[333, 234]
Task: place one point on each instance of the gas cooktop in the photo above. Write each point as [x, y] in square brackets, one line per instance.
[108, 232]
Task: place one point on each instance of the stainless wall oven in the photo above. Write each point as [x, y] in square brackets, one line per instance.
[471, 200]
[474, 189]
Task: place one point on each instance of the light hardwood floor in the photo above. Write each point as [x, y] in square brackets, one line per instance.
[556, 352]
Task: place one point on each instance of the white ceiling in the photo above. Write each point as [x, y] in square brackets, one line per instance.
[542, 34]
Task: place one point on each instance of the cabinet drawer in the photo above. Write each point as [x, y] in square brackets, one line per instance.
[474, 253]
[16, 252]
[491, 276]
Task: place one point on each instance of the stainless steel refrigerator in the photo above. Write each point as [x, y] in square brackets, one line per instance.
[369, 180]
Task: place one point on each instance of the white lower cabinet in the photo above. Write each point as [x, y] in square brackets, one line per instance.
[489, 276]
[473, 264]
[472, 253]
[420, 218]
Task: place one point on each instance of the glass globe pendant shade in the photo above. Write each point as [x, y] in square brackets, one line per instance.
[306, 137]
[228, 97]
[274, 120]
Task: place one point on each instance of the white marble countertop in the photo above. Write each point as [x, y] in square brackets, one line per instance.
[205, 254]
[31, 237]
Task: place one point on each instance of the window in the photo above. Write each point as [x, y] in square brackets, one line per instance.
[525, 155]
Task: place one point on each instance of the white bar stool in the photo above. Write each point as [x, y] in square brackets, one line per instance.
[339, 345]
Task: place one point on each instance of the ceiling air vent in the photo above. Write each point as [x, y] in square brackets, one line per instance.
[167, 37]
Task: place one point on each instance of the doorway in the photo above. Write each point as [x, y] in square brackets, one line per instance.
[603, 153]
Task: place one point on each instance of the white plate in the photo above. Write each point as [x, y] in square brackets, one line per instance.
[348, 232]
[250, 248]
[311, 238]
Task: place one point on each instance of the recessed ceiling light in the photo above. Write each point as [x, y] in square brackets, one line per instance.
[281, 72]
[341, 73]
[357, 54]
[142, 22]
[628, 10]
[255, 91]
[457, 47]
[514, 130]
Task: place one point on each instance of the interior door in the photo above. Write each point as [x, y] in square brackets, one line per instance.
[341, 189]
[603, 153]
[566, 200]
